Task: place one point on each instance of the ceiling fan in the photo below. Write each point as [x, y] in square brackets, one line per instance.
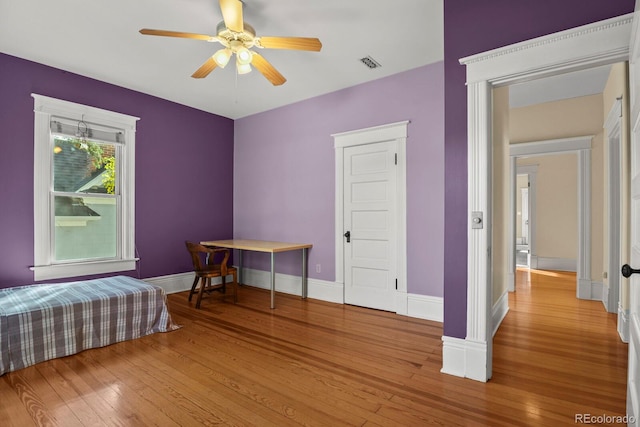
[238, 38]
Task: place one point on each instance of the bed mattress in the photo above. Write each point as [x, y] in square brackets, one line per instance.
[46, 321]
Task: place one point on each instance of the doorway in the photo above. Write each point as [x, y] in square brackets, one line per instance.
[567, 167]
[523, 215]
[389, 142]
[591, 45]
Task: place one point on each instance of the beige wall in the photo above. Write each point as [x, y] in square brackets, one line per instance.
[617, 87]
[556, 205]
[552, 120]
[564, 119]
[500, 247]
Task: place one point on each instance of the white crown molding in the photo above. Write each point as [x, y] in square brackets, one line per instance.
[602, 43]
[72, 110]
[370, 135]
[550, 146]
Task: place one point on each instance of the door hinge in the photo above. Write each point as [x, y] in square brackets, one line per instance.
[396, 158]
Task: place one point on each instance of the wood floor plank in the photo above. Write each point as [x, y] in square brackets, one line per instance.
[316, 363]
[13, 411]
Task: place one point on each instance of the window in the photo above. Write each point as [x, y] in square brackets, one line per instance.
[83, 190]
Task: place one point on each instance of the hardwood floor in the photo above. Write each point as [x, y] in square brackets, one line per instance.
[321, 364]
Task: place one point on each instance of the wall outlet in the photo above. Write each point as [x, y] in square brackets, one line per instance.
[318, 268]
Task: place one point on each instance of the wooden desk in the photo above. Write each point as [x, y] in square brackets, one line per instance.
[265, 246]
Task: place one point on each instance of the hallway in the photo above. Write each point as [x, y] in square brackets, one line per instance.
[564, 351]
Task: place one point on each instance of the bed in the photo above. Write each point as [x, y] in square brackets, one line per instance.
[45, 321]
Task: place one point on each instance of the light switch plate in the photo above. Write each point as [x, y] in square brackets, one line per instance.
[477, 220]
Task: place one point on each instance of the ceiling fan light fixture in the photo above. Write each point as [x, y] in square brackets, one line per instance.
[222, 57]
[239, 38]
[243, 56]
[243, 68]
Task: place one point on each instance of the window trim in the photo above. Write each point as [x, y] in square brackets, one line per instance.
[44, 268]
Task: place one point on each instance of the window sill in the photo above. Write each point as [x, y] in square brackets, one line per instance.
[59, 271]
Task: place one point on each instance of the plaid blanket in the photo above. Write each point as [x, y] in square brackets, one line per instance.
[42, 322]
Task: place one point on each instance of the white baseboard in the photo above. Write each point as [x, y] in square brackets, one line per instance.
[623, 324]
[605, 296]
[412, 305]
[289, 284]
[590, 290]
[425, 307]
[533, 262]
[559, 264]
[173, 283]
[511, 282]
[597, 291]
[325, 291]
[499, 311]
[453, 355]
[464, 358]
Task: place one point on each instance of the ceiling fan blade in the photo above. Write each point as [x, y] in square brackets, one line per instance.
[232, 14]
[295, 43]
[205, 69]
[267, 69]
[151, 32]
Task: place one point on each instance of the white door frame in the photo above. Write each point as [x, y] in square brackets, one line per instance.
[633, 193]
[613, 129]
[532, 174]
[389, 132]
[592, 45]
[524, 214]
[582, 147]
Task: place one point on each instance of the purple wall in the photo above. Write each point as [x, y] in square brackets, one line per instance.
[472, 27]
[184, 169]
[284, 181]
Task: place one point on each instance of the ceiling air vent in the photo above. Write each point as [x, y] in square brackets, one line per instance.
[370, 62]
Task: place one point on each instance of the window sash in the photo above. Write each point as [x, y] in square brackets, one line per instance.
[46, 109]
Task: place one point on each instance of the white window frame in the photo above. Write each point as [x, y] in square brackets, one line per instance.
[45, 267]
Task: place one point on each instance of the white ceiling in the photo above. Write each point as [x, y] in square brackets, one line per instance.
[100, 39]
[564, 86]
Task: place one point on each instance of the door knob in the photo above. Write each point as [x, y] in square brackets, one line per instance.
[348, 236]
[628, 271]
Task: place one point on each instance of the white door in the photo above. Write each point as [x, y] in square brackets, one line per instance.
[524, 209]
[633, 392]
[370, 224]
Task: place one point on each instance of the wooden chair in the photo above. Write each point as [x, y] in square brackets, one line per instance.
[205, 267]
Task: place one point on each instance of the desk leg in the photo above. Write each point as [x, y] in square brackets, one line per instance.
[273, 279]
[239, 266]
[304, 272]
